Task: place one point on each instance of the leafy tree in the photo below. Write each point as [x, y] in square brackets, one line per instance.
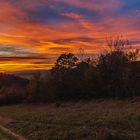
[69, 77]
[34, 88]
[65, 62]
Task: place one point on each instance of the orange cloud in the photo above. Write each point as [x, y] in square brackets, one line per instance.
[29, 28]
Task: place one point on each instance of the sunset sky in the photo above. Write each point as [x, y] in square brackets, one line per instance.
[34, 32]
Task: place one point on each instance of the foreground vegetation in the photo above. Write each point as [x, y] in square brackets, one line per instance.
[94, 120]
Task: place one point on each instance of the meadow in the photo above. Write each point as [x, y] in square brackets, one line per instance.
[93, 120]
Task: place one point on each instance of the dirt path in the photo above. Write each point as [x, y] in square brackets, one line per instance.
[2, 138]
[8, 131]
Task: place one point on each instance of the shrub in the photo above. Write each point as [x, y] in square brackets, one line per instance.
[11, 95]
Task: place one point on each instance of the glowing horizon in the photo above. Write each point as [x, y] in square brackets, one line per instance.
[33, 33]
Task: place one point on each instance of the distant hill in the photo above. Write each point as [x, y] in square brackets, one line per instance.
[30, 73]
[7, 80]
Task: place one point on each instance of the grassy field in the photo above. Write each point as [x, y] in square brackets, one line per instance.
[94, 120]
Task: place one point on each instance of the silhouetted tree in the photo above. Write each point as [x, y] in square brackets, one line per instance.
[64, 62]
[114, 67]
[34, 88]
[107, 77]
[134, 78]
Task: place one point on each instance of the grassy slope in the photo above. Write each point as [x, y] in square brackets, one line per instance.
[107, 120]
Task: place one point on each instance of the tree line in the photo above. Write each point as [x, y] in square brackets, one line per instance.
[114, 74]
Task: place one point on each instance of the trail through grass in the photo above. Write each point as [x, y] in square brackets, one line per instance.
[5, 136]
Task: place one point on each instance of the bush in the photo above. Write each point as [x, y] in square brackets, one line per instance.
[11, 95]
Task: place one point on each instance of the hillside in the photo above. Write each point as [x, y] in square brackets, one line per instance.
[30, 73]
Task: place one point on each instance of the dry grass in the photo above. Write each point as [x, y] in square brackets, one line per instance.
[106, 120]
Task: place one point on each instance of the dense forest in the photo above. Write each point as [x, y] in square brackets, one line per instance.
[114, 74]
